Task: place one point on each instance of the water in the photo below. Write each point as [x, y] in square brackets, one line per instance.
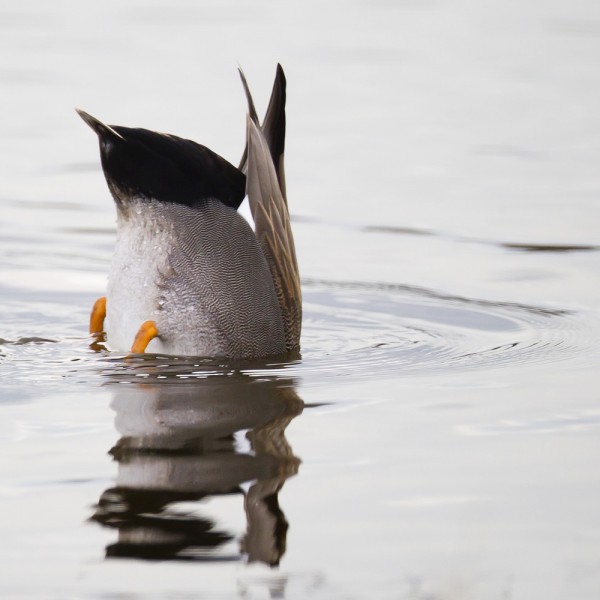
[438, 438]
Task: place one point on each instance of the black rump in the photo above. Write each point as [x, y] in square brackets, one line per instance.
[167, 168]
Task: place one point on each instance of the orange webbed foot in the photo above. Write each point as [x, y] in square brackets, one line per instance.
[146, 333]
[98, 315]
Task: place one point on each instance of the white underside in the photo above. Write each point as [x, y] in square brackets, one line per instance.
[141, 253]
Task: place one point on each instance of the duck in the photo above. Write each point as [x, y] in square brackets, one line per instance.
[189, 275]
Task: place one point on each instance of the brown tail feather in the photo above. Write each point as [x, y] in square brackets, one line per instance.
[273, 126]
[273, 230]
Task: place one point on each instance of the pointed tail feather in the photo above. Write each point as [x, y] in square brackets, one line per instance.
[273, 230]
[251, 107]
[100, 128]
[273, 126]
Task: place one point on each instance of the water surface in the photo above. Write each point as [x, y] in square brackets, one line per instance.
[438, 437]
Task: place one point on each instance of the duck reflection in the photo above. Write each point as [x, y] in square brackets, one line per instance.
[179, 444]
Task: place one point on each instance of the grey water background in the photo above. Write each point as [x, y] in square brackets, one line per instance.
[439, 438]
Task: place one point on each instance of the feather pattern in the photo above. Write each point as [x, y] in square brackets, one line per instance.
[273, 126]
[200, 274]
[263, 164]
[221, 282]
[274, 232]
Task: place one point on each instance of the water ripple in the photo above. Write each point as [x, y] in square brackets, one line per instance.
[351, 330]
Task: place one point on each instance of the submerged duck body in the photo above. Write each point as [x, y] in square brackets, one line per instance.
[189, 276]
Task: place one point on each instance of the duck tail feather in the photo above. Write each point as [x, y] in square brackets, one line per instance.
[272, 223]
[251, 108]
[253, 115]
[100, 128]
[273, 125]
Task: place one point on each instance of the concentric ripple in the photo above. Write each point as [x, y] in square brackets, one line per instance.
[350, 330]
[362, 329]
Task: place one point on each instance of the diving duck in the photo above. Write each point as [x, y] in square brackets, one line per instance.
[189, 275]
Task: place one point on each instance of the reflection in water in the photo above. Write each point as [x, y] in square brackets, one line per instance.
[178, 444]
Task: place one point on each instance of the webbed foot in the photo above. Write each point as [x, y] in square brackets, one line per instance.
[98, 315]
[146, 333]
